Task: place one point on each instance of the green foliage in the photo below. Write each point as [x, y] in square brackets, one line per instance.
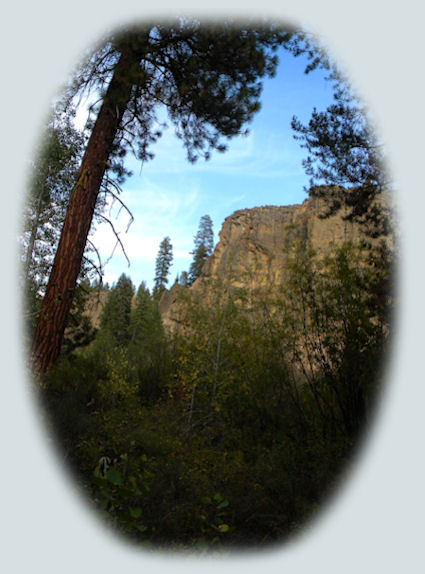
[231, 433]
[207, 76]
[118, 494]
[148, 352]
[51, 181]
[341, 147]
[204, 245]
[338, 331]
[184, 279]
[119, 385]
[345, 160]
[141, 317]
[51, 178]
[115, 318]
[163, 263]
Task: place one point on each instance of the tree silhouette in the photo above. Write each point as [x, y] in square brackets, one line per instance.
[204, 245]
[162, 266]
[345, 160]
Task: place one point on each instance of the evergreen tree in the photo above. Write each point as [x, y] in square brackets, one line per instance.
[204, 245]
[209, 80]
[141, 316]
[343, 152]
[52, 174]
[115, 318]
[184, 279]
[162, 266]
[345, 158]
[342, 149]
[147, 347]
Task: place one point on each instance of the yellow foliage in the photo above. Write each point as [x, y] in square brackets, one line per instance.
[117, 384]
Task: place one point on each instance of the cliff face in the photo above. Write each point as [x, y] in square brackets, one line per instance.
[254, 242]
[254, 245]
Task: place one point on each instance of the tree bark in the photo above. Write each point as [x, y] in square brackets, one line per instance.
[66, 267]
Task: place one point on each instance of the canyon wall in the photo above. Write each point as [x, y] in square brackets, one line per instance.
[253, 248]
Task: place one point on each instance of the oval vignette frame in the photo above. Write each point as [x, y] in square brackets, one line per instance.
[344, 494]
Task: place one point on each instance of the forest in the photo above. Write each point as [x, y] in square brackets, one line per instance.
[231, 430]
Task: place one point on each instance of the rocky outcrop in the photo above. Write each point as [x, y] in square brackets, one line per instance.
[254, 242]
[94, 306]
[254, 245]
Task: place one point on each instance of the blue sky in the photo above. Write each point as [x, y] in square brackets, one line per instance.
[168, 195]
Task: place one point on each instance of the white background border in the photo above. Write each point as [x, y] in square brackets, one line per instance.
[376, 523]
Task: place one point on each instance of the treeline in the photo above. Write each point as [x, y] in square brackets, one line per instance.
[230, 431]
[202, 249]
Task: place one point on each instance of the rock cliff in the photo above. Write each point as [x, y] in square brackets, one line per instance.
[254, 244]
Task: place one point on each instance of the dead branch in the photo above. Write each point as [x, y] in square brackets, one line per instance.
[107, 190]
[98, 268]
[118, 242]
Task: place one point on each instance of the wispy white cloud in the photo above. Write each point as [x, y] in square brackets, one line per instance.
[159, 211]
[265, 155]
[167, 195]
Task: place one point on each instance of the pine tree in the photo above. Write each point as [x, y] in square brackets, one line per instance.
[141, 317]
[343, 152]
[115, 318]
[162, 267]
[147, 347]
[209, 80]
[184, 279]
[52, 174]
[344, 155]
[204, 245]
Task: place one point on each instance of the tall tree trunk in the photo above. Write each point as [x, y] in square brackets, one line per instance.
[66, 267]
